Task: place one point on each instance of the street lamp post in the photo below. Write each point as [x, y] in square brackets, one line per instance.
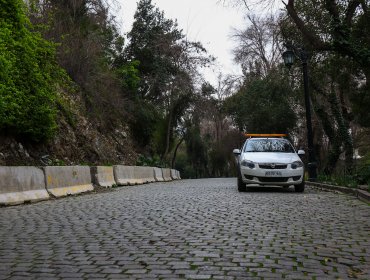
[289, 57]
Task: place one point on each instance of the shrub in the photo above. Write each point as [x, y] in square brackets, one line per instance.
[149, 161]
[28, 72]
[363, 175]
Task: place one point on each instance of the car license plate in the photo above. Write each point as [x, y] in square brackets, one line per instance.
[273, 173]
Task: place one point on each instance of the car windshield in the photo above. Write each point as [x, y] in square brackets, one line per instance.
[269, 145]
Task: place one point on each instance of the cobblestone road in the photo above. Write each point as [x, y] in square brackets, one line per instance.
[190, 229]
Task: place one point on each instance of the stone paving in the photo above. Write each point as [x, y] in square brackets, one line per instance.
[190, 229]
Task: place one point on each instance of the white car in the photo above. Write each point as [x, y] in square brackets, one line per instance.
[269, 161]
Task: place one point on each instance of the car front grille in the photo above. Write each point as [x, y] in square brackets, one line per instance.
[273, 179]
[272, 166]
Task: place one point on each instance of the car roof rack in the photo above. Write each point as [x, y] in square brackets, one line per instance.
[267, 135]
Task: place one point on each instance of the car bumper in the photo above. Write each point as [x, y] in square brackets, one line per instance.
[258, 176]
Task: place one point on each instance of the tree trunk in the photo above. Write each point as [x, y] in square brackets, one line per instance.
[343, 129]
[168, 135]
[328, 124]
[175, 153]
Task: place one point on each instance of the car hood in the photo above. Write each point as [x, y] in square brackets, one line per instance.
[261, 157]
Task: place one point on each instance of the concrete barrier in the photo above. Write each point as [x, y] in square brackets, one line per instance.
[20, 184]
[144, 173]
[173, 174]
[66, 180]
[125, 175]
[158, 175]
[102, 176]
[166, 174]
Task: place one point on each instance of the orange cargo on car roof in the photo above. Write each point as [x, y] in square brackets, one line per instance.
[266, 135]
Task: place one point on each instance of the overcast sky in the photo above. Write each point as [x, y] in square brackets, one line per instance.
[201, 20]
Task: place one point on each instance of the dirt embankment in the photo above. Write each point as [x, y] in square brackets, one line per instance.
[84, 141]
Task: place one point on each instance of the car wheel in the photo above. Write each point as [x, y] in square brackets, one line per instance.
[241, 185]
[299, 188]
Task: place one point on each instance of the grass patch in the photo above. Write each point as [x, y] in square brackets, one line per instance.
[345, 180]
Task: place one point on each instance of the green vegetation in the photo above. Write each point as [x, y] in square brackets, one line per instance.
[166, 64]
[149, 161]
[194, 267]
[360, 175]
[263, 106]
[27, 76]
[339, 78]
[340, 180]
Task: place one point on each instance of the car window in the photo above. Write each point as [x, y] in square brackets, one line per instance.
[268, 145]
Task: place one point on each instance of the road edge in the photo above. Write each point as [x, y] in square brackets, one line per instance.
[360, 194]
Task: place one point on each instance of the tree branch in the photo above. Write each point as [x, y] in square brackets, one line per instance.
[350, 12]
[332, 7]
[311, 37]
[364, 6]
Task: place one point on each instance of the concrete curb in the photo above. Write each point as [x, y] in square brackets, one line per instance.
[361, 194]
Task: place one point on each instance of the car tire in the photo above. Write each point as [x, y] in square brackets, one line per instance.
[299, 188]
[241, 185]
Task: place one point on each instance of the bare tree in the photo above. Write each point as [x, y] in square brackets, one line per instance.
[258, 49]
[340, 37]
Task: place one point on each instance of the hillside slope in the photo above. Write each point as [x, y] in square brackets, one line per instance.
[81, 141]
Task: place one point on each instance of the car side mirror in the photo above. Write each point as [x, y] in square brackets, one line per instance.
[301, 152]
[236, 152]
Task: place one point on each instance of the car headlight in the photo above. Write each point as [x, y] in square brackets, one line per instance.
[297, 164]
[248, 163]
